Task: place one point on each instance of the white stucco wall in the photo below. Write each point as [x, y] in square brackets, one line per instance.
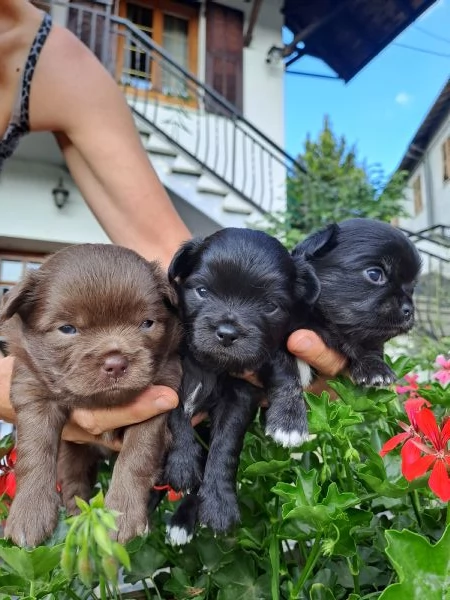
[28, 212]
[435, 192]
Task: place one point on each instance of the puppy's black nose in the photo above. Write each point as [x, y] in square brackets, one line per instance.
[227, 334]
[115, 365]
[407, 309]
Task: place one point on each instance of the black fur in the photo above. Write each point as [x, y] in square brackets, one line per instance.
[237, 289]
[354, 314]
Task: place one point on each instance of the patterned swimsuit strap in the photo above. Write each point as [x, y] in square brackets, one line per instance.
[28, 72]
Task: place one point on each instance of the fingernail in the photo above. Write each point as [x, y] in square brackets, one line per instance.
[302, 342]
[165, 402]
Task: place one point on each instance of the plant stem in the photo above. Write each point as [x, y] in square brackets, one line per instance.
[414, 496]
[147, 590]
[309, 566]
[103, 594]
[348, 475]
[32, 588]
[355, 574]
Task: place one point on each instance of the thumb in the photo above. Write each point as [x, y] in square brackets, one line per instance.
[308, 346]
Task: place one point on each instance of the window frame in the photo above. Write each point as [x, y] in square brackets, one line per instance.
[22, 257]
[161, 8]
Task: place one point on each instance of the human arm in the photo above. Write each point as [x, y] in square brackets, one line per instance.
[75, 96]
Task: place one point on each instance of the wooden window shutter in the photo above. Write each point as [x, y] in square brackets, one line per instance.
[224, 52]
[417, 195]
[446, 158]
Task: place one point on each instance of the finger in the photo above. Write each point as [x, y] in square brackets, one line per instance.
[6, 410]
[77, 435]
[308, 346]
[153, 401]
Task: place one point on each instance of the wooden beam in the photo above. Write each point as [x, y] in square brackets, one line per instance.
[256, 7]
[302, 35]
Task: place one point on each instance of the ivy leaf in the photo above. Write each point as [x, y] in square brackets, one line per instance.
[320, 592]
[373, 472]
[423, 569]
[31, 564]
[144, 563]
[267, 467]
[318, 415]
[239, 581]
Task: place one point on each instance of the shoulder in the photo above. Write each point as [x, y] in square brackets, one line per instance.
[68, 78]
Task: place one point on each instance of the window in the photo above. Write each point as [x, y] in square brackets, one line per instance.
[13, 267]
[417, 195]
[446, 159]
[174, 27]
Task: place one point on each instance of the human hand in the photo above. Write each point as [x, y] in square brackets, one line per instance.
[309, 347]
[87, 426]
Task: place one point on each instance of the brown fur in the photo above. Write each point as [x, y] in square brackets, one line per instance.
[106, 292]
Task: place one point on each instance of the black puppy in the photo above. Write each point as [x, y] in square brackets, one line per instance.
[367, 271]
[237, 289]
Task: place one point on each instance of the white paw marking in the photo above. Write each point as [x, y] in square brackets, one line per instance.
[288, 439]
[305, 372]
[178, 536]
[146, 530]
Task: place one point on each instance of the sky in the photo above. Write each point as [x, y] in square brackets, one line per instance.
[381, 108]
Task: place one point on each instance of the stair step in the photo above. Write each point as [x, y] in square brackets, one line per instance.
[233, 204]
[208, 185]
[158, 145]
[187, 167]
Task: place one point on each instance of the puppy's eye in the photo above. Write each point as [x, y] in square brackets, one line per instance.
[202, 292]
[67, 329]
[147, 324]
[270, 308]
[375, 275]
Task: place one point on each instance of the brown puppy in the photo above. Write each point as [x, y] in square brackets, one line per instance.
[91, 328]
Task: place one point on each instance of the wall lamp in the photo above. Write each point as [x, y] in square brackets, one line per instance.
[60, 194]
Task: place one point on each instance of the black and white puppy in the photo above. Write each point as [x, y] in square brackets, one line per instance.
[367, 271]
[237, 289]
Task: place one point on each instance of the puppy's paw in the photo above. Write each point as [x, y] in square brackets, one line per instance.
[32, 518]
[218, 509]
[177, 535]
[288, 425]
[132, 520]
[183, 469]
[372, 374]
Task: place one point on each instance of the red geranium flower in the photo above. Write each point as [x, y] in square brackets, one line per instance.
[409, 451]
[7, 476]
[172, 495]
[436, 455]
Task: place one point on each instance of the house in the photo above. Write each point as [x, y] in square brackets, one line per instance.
[204, 81]
[427, 202]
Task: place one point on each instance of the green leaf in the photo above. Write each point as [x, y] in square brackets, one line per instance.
[13, 584]
[144, 563]
[318, 415]
[82, 504]
[266, 467]
[98, 501]
[337, 502]
[423, 569]
[373, 473]
[320, 592]
[32, 564]
[211, 554]
[239, 581]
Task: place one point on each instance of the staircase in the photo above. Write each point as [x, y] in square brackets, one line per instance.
[432, 297]
[205, 152]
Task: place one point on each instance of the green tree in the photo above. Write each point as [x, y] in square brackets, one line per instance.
[336, 186]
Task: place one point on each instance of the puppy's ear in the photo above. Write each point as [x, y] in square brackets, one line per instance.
[184, 260]
[307, 284]
[319, 243]
[20, 298]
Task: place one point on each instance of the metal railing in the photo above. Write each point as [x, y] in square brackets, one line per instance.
[437, 234]
[187, 113]
[432, 295]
